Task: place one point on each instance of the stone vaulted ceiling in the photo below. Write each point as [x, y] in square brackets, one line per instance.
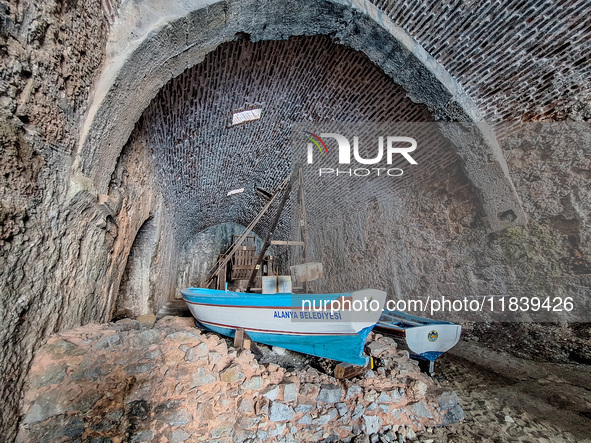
[199, 156]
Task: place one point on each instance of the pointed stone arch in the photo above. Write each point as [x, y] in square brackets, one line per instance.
[154, 41]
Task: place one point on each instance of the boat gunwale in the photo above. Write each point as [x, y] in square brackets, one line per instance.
[281, 300]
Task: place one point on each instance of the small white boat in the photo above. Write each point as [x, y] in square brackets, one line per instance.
[426, 338]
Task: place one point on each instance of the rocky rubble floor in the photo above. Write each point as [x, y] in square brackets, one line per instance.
[511, 399]
[171, 382]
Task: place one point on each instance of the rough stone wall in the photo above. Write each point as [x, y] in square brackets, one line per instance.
[136, 289]
[60, 263]
[51, 54]
[431, 241]
[408, 243]
[143, 268]
[550, 167]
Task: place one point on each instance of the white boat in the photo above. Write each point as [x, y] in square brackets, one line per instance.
[299, 322]
[426, 338]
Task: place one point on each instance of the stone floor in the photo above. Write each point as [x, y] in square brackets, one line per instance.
[509, 399]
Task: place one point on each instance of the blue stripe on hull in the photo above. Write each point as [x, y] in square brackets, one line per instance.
[429, 355]
[280, 300]
[344, 348]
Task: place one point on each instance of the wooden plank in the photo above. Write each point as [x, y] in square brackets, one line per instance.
[222, 279]
[303, 221]
[255, 349]
[248, 241]
[288, 243]
[241, 251]
[347, 370]
[239, 338]
[243, 340]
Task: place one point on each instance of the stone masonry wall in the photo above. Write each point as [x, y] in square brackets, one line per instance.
[175, 383]
[142, 271]
[520, 61]
[200, 254]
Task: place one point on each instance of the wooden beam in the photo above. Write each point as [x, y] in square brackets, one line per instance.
[239, 338]
[270, 233]
[303, 221]
[347, 370]
[243, 340]
[288, 243]
[249, 228]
